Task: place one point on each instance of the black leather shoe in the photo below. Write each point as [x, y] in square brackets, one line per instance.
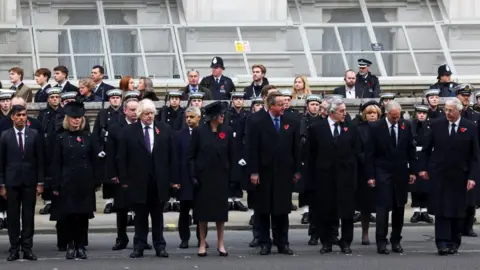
[453, 251]
[470, 233]
[148, 247]
[255, 243]
[130, 221]
[190, 220]
[383, 250]
[238, 205]
[167, 207]
[222, 254]
[347, 250]
[285, 250]
[45, 210]
[108, 208]
[335, 241]
[70, 255]
[176, 207]
[313, 241]
[119, 245]
[294, 207]
[203, 254]
[305, 219]
[443, 251]
[250, 222]
[415, 218]
[28, 255]
[265, 250]
[81, 254]
[183, 245]
[397, 248]
[162, 253]
[326, 249]
[14, 255]
[5, 223]
[230, 206]
[1, 224]
[373, 219]
[357, 217]
[425, 217]
[136, 254]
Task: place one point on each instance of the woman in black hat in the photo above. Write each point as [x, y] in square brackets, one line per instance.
[73, 179]
[210, 160]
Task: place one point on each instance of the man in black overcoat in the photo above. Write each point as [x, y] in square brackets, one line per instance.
[148, 167]
[21, 178]
[390, 162]
[274, 166]
[334, 147]
[454, 169]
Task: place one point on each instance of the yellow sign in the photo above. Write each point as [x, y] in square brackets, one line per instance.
[242, 46]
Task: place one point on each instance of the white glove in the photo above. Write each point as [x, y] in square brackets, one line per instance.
[102, 154]
[242, 162]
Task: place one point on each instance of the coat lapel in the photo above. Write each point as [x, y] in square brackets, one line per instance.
[402, 130]
[269, 124]
[140, 135]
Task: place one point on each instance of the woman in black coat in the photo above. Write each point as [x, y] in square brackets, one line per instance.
[371, 112]
[210, 160]
[74, 180]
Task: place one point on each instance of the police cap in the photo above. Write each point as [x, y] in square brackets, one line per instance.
[197, 95]
[387, 96]
[364, 62]
[431, 92]
[311, 98]
[421, 108]
[237, 95]
[54, 91]
[114, 93]
[131, 95]
[257, 100]
[174, 93]
[286, 93]
[68, 95]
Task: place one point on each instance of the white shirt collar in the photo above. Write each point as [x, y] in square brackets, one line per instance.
[349, 89]
[18, 84]
[456, 122]
[128, 122]
[16, 130]
[390, 124]
[143, 125]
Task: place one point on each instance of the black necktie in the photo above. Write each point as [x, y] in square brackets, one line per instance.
[393, 137]
[13, 87]
[217, 80]
[335, 131]
[452, 130]
[20, 141]
[146, 136]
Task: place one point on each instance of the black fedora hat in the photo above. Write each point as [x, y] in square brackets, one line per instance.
[215, 109]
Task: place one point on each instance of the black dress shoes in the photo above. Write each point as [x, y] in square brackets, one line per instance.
[81, 254]
[285, 250]
[335, 241]
[255, 243]
[183, 245]
[130, 221]
[119, 245]
[397, 248]
[167, 207]
[148, 247]
[162, 253]
[313, 241]
[222, 254]
[305, 219]
[70, 255]
[345, 248]
[136, 254]
[373, 219]
[357, 217]
[470, 233]
[250, 222]
[294, 207]
[415, 218]
[443, 251]
[238, 205]
[326, 249]
[108, 208]
[45, 210]
[453, 251]
[14, 255]
[176, 207]
[265, 250]
[28, 255]
[383, 250]
[425, 217]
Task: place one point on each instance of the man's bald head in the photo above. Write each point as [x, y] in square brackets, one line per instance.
[19, 101]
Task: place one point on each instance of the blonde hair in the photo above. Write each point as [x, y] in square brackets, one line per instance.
[87, 83]
[66, 125]
[306, 87]
[369, 109]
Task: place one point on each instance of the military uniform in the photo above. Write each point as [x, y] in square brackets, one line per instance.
[433, 112]
[221, 87]
[105, 119]
[4, 95]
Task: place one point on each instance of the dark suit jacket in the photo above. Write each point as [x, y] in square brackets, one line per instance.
[7, 123]
[138, 166]
[186, 186]
[360, 92]
[17, 169]
[102, 91]
[251, 89]
[41, 95]
[68, 87]
[186, 92]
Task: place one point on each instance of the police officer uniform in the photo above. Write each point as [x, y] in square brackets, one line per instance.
[221, 87]
[47, 117]
[433, 112]
[106, 118]
[368, 82]
[446, 88]
[236, 119]
[420, 189]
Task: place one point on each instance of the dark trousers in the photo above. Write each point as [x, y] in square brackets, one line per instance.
[235, 191]
[469, 218]
[419, 199]
[279, 227]
[381, 230]
[184, 221]
[312, 227]
[62, 231]
[77, 231]
[448, 232]
[23, 198]
[335, 227]
[122, 220]
[326, 233]
[256, 226]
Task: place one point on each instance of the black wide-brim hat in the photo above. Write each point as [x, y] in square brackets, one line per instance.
[215, 109]
[368, 103]
[74, 108]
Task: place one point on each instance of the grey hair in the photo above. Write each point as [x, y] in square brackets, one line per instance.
[130, 101]
[454, 102]
[193, 70]
[392, 105]
[148, 84]
[333, 104]
[145, 106]
[194, 110]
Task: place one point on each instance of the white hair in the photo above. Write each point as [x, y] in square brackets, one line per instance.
[194, 110]
[145, 106]
[333, 104]
[392, 105]
[454, 102]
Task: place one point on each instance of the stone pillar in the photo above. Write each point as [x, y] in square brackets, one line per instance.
[9, 11]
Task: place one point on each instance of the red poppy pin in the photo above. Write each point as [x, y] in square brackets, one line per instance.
[345, 129]
[79, 139]
[463, 129]
[221, 135]
[285, 127]
[28, 123]
[157, 131]
[403, 126]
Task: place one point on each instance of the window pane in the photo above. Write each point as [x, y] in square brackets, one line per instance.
[355, 38]
[428, 63]
[87, 41]
[164, 67]
[52, 62]
[71, 17]
[234, 64]
[329, 65]
[15, 41]
[466, 63]
[352, 60]
[52, 41]
[84, 65]
[292, 10]
[462, 37]
[315, 14]
[410, 12]
[120, 17]
[128, 65]
[24, 62]
[423, 38]
[399, 64]
[280, 65]
[157, 41]
[392, 38]
[268, 39]
[208, 39]
[26, 20]
[322, 39]
[123, 41]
